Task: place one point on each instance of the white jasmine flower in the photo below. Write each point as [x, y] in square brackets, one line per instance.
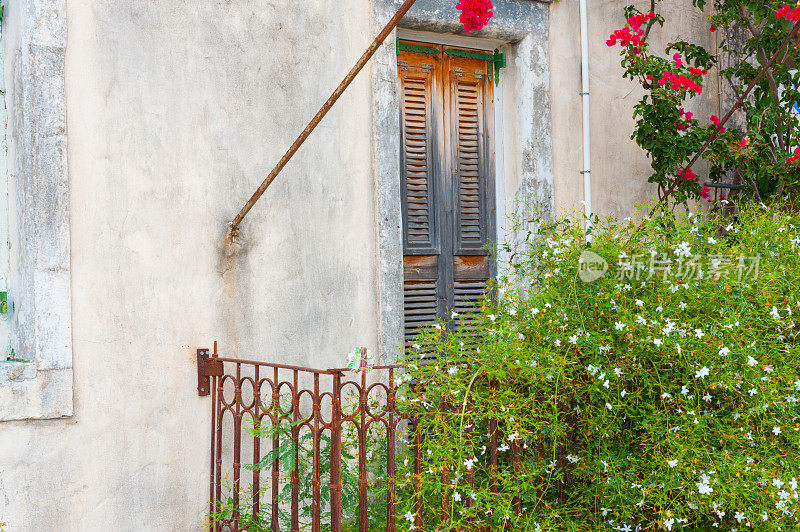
[699, 333]
[623, 393]
[751, 361]
[658, 342]
[702, 373]
[712, 240]
[778, 483]
[672, 463]
[775, 314]
[572, 459]
[683, 250]
[453, 370]
[608, 405]
[639, 303]
[456, 496]
[776, 430]
[724, 351]
[619, 325]
[704, 486]
[605, 384]
[409, 517]
[573, 339]
[739, 516]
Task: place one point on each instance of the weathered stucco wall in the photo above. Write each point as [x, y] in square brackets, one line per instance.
[176, 111]
[619, 167]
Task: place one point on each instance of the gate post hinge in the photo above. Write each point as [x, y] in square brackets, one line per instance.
[206, 368]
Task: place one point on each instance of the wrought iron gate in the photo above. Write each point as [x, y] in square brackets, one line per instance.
[276, 415]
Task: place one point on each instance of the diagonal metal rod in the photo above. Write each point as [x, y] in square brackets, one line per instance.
[395, 20]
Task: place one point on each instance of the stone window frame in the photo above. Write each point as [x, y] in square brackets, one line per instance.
[524, 158]
[40, 301]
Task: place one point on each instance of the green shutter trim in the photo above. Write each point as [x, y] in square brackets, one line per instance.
[494, 61]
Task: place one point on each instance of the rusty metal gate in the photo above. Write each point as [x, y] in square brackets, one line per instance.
[298, 449]
[291, 422]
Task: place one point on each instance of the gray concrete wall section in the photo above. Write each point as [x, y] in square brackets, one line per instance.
[39, 214]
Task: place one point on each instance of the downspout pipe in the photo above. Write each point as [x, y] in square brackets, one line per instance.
[587, 153]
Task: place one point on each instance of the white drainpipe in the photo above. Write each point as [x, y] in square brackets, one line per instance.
[587, 175]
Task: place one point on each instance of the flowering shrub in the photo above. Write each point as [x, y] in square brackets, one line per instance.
[663, 395]
[761, 156]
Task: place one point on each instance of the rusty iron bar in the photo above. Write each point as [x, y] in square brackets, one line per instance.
[728, 116]
[390, 26]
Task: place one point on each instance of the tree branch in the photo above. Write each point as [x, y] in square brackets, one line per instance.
[762, 57]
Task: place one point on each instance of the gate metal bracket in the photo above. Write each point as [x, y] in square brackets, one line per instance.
[206, 368]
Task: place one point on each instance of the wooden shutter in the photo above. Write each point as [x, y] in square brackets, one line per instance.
[470, 124]
[447, 182]
[421, 184]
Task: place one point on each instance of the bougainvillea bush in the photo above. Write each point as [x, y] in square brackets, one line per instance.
[763, 152]
[662, 395]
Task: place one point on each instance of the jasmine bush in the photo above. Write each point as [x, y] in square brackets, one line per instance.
[662, 395]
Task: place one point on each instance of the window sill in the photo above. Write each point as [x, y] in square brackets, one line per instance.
[28, 393]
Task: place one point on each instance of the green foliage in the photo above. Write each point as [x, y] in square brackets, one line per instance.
[755, 155]
[655, 396]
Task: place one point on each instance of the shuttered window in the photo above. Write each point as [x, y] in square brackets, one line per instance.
[447, 181]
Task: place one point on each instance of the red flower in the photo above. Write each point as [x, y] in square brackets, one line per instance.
[712, 29]
[796, 156]
[688, 175]
[787, 13]
[698, 71]
[680, 82]
[678, 58]
[744, 142]
[475, 14]
[706, 192]
[636, 21]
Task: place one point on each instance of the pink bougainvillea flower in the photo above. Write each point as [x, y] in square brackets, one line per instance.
[706, 192]
[688, 175]
[712, 29]
[795, 157]
[716, 121]
[475, 14]
[698, 71]
[636, 21]
[678, 58]
[744, 142]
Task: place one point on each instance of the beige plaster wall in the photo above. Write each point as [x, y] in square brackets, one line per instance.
[176, 110]
[619, 167]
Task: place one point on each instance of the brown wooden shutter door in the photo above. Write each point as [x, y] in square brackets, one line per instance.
[447, 184]
[471, 124]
